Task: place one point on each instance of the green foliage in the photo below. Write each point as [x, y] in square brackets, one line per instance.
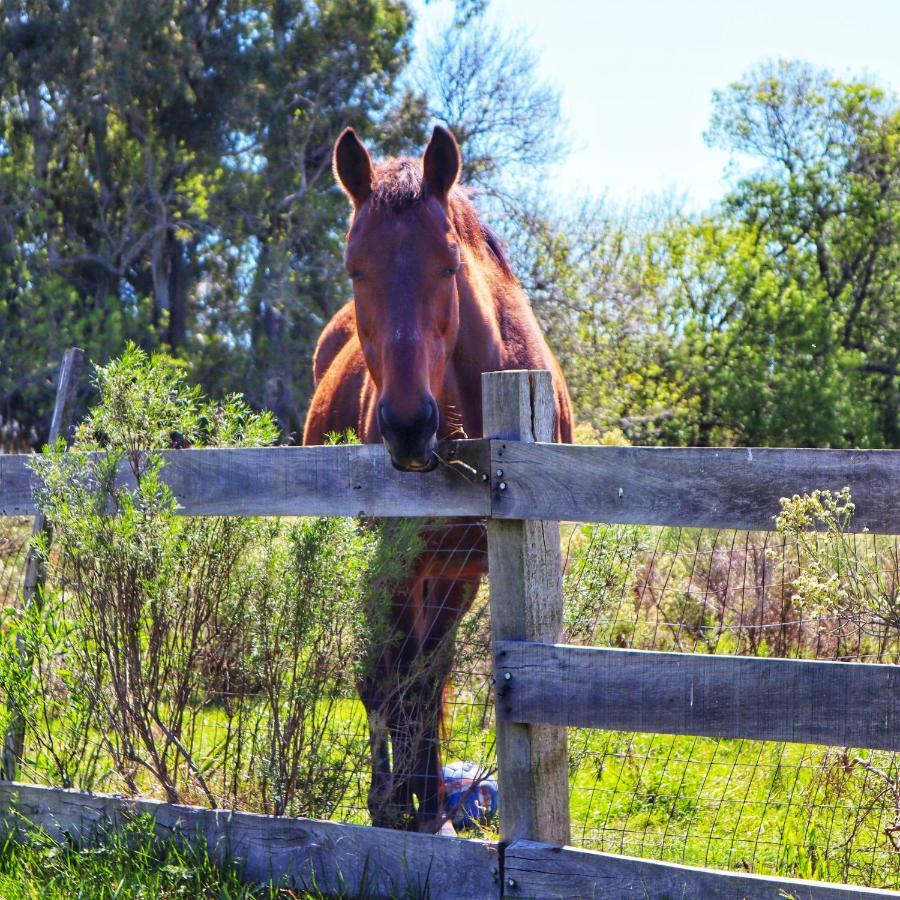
[827, 814]
[802, 811]
[146, 403]
[49, 695]
[772, 319]
[147, 589]
[206, 658]
[302, 649]
[826, 202]
[165, 178]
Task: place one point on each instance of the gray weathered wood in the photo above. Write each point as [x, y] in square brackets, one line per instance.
[300, 853]
[691, 487]
[526, 604]
[694, 487]
[35, 575]
[805, 701]
[296, 481]
[543, 872]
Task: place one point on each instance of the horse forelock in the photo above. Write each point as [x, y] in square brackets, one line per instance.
[398, 184]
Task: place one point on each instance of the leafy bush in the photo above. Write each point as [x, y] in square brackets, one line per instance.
[208, 658]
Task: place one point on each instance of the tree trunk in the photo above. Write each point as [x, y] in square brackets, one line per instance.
[178, 286]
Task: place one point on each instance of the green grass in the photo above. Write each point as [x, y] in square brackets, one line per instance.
[129, 863]
[766, 807]
[133, 863]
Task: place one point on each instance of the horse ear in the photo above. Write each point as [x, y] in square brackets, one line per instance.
[441, 163]
[352, 166]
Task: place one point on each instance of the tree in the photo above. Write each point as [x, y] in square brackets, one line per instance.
[164, 176]
[482, 82]
[775, 318]
[753, 351]
[826, 201]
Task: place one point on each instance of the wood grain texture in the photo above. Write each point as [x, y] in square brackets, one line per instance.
[691, 487]
[543, 872]
[706, 487]
[298, 853]
[526, 604]
[66, 393]
[831, 703]
[16, 485]
[295, 481]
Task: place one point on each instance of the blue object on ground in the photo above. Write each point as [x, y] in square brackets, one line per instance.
[472, 796]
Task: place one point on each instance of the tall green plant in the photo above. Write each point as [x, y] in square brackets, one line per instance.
[214, 660]
[148, 590]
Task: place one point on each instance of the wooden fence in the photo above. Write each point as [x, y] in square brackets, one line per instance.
[524, 486]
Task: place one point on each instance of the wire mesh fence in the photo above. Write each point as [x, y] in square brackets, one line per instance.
[15, 534]
[245, 694]
[791, 809]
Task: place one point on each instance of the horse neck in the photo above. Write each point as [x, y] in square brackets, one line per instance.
[490, 305]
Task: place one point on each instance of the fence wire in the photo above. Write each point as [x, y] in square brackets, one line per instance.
[806, 811]
[800, 810]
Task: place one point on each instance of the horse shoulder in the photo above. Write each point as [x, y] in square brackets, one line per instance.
[527, 348]
[565, 417]
[340, 330]
[337, 401]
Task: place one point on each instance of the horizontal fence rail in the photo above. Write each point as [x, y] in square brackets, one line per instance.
[354, 480]
[350, 860]
[704, 487]
[543, 872]
[541, 687]
[804, 701]
[307, 854]
[689, 487]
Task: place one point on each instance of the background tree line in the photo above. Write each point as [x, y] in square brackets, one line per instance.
[165, 178]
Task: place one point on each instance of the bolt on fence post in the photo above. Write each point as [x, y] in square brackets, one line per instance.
[525, 576]
[33, 587]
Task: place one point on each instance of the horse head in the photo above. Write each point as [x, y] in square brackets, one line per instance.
[403, 257]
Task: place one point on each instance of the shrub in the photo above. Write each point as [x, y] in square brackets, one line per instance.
[843, 574]
[209, 659]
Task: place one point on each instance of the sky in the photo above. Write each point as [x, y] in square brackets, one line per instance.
[636, 76]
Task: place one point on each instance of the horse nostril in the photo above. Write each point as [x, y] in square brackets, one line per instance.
[432, 416]
[425, 419]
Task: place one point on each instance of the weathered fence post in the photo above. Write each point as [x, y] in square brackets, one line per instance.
[526, 605]
[66, 390]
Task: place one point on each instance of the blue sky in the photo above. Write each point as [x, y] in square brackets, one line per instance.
[637, 76]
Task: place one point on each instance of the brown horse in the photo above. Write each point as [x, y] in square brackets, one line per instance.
[434, 305]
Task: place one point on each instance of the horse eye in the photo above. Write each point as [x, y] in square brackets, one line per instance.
[355, 274]
[449, 271]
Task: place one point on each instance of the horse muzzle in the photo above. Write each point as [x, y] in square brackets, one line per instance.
[424, 461]
[411, 440]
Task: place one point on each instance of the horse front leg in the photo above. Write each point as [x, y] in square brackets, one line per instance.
[425, 712]
[446, 601]
[380, 703]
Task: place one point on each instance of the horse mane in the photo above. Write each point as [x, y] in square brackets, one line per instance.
[397, 184]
